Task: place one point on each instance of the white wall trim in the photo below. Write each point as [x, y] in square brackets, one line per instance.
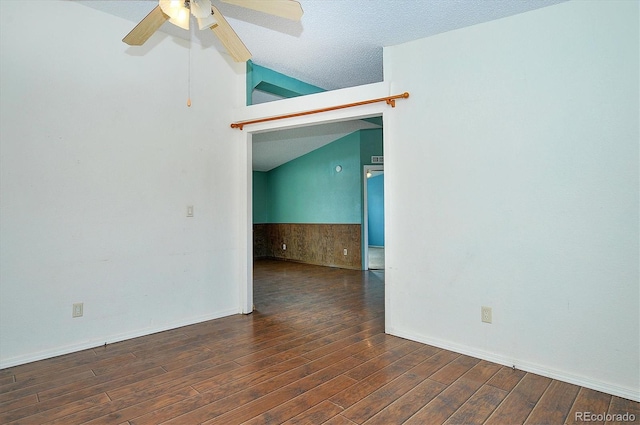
[606, 387]
[111, 339]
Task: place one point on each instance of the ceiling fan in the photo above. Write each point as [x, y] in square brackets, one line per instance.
[208, 16]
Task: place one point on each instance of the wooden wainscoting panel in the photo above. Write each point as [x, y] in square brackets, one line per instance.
[320, 244]
[260, 240]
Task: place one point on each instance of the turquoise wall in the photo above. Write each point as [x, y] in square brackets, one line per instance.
[310, 190]
[375, 210]
[270, 81]
[260, 199]
[370, 144]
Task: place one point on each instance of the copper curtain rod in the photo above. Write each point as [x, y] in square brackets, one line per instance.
[391, 100]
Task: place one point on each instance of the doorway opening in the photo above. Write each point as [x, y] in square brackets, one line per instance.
[373, 221]
[371, 112]
[308, 193]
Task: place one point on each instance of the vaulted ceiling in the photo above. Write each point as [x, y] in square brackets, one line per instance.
[337, 44]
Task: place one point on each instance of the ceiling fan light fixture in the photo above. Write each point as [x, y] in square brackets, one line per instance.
[177, 11]
[171, 7]
[181, 21]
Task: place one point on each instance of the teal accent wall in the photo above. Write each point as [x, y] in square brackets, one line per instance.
[270, 81]
[370, 144]
[310, 190]
[260, 198]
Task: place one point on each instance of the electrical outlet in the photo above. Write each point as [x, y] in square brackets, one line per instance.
[486, 314]
[344, 251]
[77, 310]
[284, 246]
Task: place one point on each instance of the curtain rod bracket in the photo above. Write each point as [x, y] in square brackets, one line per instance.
[390, 100]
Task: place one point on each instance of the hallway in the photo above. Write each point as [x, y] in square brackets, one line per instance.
[376, 258]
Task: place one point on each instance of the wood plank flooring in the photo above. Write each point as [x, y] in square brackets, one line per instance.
[313, 352]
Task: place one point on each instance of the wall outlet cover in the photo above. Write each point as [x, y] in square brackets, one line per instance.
[486, 314]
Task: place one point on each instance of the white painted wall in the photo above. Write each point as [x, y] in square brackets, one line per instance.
[99, 158]
[512, 182]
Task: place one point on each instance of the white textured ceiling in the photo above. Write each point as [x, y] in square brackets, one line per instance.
[274, 148]
[337, 44]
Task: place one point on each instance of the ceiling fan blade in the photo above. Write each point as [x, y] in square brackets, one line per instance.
[145, 29]
[289, 9]
[229, 38]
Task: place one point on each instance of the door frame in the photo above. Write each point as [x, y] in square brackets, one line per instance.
[289, 106]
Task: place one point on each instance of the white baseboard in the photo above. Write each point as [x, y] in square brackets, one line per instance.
[605, 387]
[109, 339]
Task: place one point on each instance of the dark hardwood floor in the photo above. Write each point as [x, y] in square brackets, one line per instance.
[313, 352]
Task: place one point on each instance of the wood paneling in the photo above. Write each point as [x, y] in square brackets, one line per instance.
[260, 241]
[319, 244]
